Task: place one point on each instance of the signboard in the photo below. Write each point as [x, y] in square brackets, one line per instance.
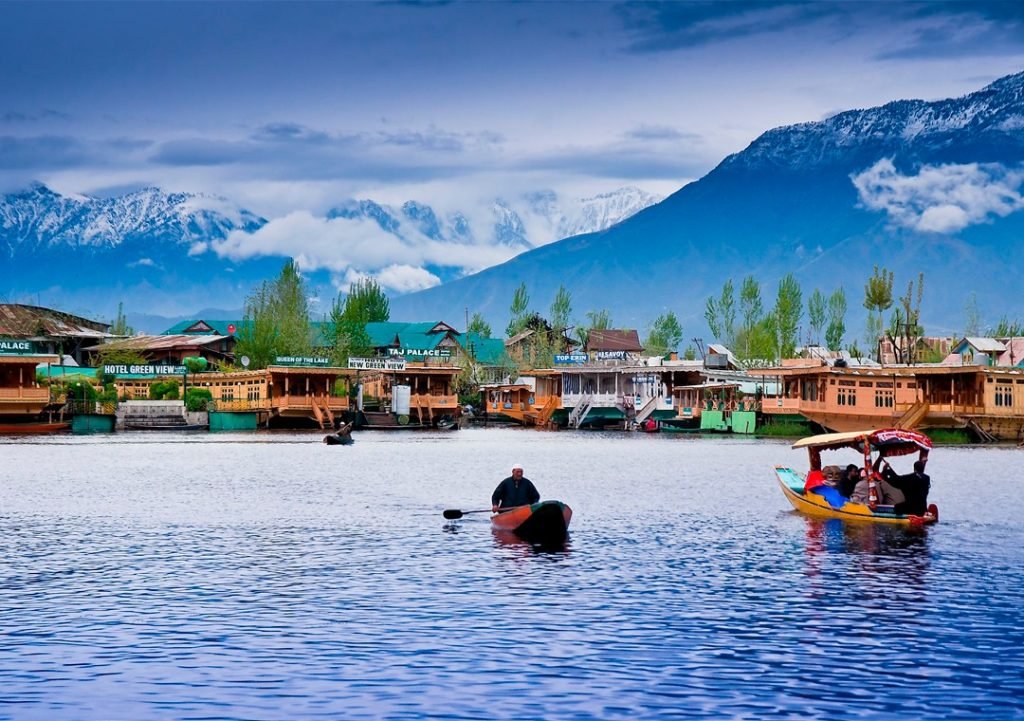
[16, 346]
[611, 355]
[143, 370]
[421, 352]
[566, 359]
[377, 364]
[293, 360]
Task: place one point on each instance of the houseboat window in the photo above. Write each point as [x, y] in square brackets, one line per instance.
[848, 383]
[882, 384]
[911, 385]
[883, 399]
[832, 382]
[866, 384]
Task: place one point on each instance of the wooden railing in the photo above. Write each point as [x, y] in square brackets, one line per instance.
[426, 400]
[25, 394]
[290, 402]
[240, 405]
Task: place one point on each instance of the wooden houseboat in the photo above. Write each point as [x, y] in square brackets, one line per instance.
[25, 404]
[397, 395]
[534, 399]
[987, 400]
[277, 395]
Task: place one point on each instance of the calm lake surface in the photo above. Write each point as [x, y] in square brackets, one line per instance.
[268, 576]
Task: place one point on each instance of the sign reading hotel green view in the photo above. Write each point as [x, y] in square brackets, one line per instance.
[16, 346]
[294, 360]
[143, 370]
[421, 352]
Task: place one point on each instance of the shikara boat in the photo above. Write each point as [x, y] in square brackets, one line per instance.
[885, 443]
[546, 522]
[336, 440]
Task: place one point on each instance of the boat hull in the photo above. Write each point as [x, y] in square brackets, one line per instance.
[544, 522]
[817, 506]
[33, 428]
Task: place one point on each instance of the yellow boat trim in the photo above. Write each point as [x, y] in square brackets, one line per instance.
[817, 506]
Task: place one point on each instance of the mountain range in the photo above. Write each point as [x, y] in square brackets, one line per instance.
[914, 186]
[155, 250]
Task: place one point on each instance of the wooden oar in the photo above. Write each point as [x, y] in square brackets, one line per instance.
[452, 513]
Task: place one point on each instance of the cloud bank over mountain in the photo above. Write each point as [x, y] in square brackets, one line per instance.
[941, 199]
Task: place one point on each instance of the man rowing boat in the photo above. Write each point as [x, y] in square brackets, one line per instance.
[514, 491]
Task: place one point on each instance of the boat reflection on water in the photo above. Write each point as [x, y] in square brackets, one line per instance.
[834, 535]
[508, 539]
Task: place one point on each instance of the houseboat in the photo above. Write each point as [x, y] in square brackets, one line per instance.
[532, 400]
[25, 404]
[394, 394]
[988, 401]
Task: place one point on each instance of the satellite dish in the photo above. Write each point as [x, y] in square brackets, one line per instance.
[245, 361]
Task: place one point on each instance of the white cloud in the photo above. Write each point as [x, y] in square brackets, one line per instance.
[942, 198]
[357, 248]
[142, 261]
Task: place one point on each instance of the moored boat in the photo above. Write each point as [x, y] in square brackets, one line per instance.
[544, 522]
[825, 502]
[33, 428]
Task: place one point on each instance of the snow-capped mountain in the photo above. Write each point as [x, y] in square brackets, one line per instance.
[520, 222]
[915, 186]
[39, 217]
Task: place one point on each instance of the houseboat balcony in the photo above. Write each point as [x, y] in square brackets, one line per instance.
[291, 402]
[38, 395]
[783, 405]
[241, 405]
[426, 400]
[597, 400]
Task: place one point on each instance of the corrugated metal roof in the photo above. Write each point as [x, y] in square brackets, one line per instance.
[30, 321]
[984, 345]
[627, 340]
[161, 342]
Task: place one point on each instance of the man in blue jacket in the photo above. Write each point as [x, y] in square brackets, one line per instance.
[514, 491]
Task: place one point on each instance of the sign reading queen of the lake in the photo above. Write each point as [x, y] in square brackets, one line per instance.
[293, 360]
[16, 346]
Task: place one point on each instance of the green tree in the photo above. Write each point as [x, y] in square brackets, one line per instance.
[836, 319]
[478, 325]
[276, 319]
[364, 303]
[518, 311]
[877, 300]
[721, 315]
[972, 327]
[905, 328]
[596, 320]
[664, 336]
[787, 313]
[1006, 328]
[690, 353]
[752, 311]
[816, 314]
[561, 310]
[120, 325]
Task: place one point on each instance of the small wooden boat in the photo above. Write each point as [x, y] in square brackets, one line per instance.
[447, 423]
[335, 440]
[546, 522]
[33, 428]
[830, 504]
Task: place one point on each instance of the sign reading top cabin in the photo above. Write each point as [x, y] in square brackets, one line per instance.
[143, 370]
[377, 364]
[421, 352]
[292, 360]
[16, 346]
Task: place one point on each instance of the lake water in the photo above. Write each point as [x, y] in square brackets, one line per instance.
[268, 576]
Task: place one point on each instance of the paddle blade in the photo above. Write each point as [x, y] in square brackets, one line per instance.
[451, 514]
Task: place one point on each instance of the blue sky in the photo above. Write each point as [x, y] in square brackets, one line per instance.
[292, 107]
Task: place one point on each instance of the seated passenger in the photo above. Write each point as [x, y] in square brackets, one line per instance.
[885, 494]
[815, 478]
[848, 480]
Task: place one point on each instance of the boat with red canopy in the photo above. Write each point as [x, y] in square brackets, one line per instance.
[807, 497]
